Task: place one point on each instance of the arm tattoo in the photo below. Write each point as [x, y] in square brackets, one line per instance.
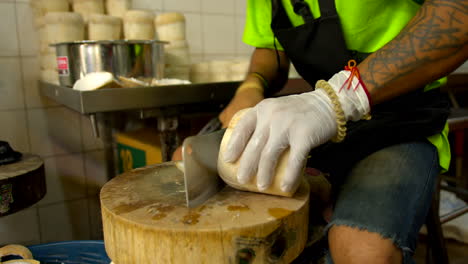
[438, 31]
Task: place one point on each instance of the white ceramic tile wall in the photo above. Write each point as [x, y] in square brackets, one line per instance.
[11, 85]
[90, 142]
[196, 58]
[241, 6]
[95, 218]
[28, 39]
[65, 179]
[218, 34]
[14, 129]
[21, 227]
[74, 159]
[218, 7]
[463, 68]
[241, 48]
[64, 221]
[54, 131]
[155, 5]
[9, 40]
[211, 57]
[30, 72]
[194, 32]
[182, 5]
[95, 171]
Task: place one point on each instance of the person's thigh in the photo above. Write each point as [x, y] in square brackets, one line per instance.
[389, 193]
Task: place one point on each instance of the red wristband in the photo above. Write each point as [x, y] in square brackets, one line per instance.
[352, 67]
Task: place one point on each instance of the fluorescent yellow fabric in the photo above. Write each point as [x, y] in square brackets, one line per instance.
[363, 30]
[440, 141]
[367, 26]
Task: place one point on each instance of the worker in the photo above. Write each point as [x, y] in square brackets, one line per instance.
[376, 121]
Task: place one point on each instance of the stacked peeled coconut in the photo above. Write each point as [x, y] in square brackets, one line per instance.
[45, 25]
[219, 70]
[138, 25]
[88, 7]
[77, 20]
[225, 71]
[170, 27]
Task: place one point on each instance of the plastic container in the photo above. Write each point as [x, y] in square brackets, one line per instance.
[71, 252]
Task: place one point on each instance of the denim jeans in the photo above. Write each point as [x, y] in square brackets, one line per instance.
[389, 192]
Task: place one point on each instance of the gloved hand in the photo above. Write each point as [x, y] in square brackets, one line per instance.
[247, 95]
[299, 122]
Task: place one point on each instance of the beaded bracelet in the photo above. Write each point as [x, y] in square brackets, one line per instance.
[340, 116]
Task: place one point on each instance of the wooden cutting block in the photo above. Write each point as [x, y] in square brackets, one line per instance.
[22, 184]
[146, 220]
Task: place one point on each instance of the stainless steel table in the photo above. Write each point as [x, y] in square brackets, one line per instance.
[163, 102]
[166, 103]
[120, 99]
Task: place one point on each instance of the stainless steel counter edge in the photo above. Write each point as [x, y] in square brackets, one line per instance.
[120, 99]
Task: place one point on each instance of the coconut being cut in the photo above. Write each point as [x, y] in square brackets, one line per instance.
[206, 170]
[228, 171]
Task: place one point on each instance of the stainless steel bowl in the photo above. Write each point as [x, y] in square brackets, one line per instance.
[127, 58]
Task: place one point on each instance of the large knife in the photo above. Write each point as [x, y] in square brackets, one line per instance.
[200, 155]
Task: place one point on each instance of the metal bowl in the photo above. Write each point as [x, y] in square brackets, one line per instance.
[126, 58]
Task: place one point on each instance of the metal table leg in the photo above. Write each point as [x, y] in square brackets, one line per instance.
[102, 125]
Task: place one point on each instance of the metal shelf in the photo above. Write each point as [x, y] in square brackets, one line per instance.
[121, 99]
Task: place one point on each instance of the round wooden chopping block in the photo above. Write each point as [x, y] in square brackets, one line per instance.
[146, 220]
[22, 184]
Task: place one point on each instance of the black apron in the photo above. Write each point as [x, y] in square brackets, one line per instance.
[318, 50]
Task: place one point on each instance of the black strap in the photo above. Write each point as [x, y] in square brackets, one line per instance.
[279, 17]
[327, 8]
[280, 20]
[302, 8]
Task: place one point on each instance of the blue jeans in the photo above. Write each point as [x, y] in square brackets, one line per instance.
[389, 192]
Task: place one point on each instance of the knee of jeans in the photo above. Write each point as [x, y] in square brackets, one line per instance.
[350, 243]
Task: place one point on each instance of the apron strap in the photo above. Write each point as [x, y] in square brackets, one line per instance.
[302, 8]
[279, 18]
[327, 8]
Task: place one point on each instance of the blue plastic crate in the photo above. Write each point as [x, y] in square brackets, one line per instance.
[71, 252]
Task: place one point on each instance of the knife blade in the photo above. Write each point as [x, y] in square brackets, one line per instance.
[200, 156]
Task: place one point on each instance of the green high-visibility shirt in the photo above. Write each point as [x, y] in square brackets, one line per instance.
[367, 26]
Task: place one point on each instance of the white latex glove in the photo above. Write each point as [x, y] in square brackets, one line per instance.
[299, 122]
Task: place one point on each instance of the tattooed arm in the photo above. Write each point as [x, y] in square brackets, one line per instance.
[433, 44]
